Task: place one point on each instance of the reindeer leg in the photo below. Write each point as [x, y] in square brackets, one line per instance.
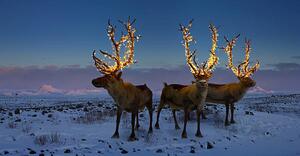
[175, 120]
[132, 136]
[232, 111]
[227, 111]
[119, 113]
[149, 107]
[137, 121]
[203, 115]
[198, 133]
[160, 106]
[186, 115]
[189, 117]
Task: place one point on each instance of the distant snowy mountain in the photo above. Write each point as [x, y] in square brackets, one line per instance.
[260, 90]
[48, 89]
[51, 90]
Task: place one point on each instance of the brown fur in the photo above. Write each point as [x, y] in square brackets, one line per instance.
[128, 98]
[184, 97]
[192, 96]
[226, 94]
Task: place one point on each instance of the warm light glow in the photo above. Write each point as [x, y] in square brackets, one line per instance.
[206, 68]
[242, 70]
[119, 63]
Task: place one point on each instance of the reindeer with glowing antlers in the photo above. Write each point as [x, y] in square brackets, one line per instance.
[190, 97]
[229, 94]
[127, 96]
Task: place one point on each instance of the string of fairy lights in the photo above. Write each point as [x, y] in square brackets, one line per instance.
[205, 70]
[243, 69]
[127, 40]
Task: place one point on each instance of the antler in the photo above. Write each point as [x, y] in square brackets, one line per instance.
[127, 59]
[242, 70]
[228, 50]
[206, 68]
[249, 71]
[213, 59]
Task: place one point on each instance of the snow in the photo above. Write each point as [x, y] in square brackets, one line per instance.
[84, 125]
[49, 90]
[258, 89]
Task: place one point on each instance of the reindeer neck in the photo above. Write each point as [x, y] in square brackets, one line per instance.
[243, 87]
[115, 89]
[198, 89]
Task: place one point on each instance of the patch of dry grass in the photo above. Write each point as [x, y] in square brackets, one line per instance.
[95, 116]
[53, 138]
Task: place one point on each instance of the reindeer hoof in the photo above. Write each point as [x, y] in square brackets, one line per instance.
[150, 130]
[204, 117]
[115, 136]
[157, 126]
[183, 135]
[199, 135]
[137, 127]
[232, 121]
[132, 138]
[227, 124]
[177, 127]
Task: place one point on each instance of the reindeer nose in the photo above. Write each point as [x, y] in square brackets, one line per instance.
[94, 82]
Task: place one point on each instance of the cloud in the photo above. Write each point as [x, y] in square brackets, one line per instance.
[295, 57]
[33, 77]
[77, 80]
[286, 66]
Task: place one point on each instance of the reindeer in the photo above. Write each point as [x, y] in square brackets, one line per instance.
[228, 94]
[127, 96]
[192, 96]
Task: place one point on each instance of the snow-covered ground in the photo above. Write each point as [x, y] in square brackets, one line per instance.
[83, 125]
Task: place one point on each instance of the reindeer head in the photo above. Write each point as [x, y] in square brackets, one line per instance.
[106, 80]
[202, 73]
[242, 71]
[111, 72]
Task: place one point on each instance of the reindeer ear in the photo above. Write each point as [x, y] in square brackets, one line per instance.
[118, 76]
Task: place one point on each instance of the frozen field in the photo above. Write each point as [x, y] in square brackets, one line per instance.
[82, 125]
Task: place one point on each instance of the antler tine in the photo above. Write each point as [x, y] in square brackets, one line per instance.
[194, 58]
[128, 56]
[190, 58]
[242, 69]
[204, 64]
[228, 50]
[252, 69]
[213, 59]
[116, 45]
[245, 63]
[226, 39]
[106, 54]
[190, 23]
[128, 20]
[133, 21]
[100, 65]
[248, 72]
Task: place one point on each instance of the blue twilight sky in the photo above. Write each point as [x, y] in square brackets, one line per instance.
[64, 32]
